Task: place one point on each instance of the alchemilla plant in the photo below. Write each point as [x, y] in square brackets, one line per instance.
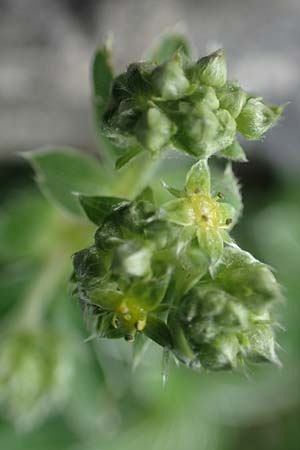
[163, 265]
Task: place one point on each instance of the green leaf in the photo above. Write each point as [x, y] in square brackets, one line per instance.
[228, 186]
[198, 179]
[102, 77]
[62, 171]
[234, 152]
[98, 209]
[168, 45]
[158, 331]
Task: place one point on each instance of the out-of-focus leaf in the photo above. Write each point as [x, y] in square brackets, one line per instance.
[168, 45]
[23, 226]
[62, 171]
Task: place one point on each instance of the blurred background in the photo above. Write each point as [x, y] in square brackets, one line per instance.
[98, 401]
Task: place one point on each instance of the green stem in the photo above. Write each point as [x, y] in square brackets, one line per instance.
[41, 291]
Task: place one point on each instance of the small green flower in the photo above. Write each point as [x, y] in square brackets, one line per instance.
[205, 217]
[125, 306]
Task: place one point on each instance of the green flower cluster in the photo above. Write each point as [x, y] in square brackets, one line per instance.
[171, 271]
[225, 321]
[186, 105]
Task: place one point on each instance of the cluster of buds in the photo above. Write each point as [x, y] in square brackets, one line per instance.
[225, 321]
[186, 105]
[172, 271]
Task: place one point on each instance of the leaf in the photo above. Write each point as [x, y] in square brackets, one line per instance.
[234, 152]
[168, 45]
[198, 178]
[228, 186]
[158, 331]
[62, 171]
[102, 77]
[98, 208]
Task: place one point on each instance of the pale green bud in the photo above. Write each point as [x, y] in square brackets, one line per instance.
[169, 80]
[232, 98]
[256, 118]
[205, 95]
[212, 70]
[154, 130]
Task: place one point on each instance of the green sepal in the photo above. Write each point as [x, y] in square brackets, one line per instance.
[212, 70]
[232, 98]
[198, 179]
[179, 211]
[154, 130]
[211, 243]
[234, 152]
[169, 80]
[173, 191]
[146, 195]
[107, 298]
[228, 187]
[256, 118]
[150, 293]
[99, 208]
[158, 331]
[261, 344]
[168, 45]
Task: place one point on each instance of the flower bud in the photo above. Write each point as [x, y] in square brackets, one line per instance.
[154, 130]
[232, 98]
[212, 70]
[256, 118]
[169, 80]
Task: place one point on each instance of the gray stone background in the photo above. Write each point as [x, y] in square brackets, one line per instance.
[46, 48]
